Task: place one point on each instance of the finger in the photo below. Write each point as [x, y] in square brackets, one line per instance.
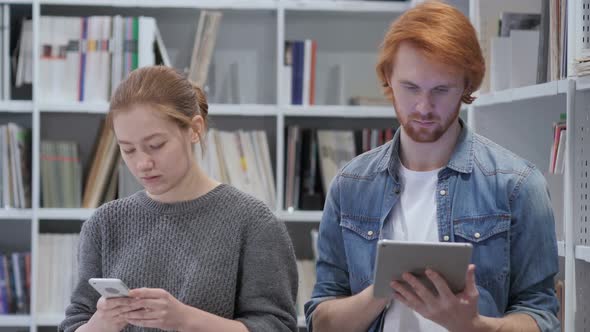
[441, 285]
[121, 311]
[117, 312]
[411, 299]
[152, 304]
[470, 286]
[150, 323]
[400, 298]
[421, 291]
[148, 293]
[143, 314]
[111, 303]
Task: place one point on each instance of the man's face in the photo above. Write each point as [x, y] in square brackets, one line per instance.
[427, 94]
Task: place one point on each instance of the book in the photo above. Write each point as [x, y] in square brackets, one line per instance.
[56, 282]
[543, 58]
[299, 72]
[203, 46]
[85, 58]
[103, 164]
[241, 159]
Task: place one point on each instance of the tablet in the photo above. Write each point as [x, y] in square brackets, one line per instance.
[397, 257]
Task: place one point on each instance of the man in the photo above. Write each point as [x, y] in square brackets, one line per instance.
[436, 181]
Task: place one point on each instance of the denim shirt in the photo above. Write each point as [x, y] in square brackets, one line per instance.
[486, 195]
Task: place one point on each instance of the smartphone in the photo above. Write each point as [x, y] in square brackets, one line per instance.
[109, 287]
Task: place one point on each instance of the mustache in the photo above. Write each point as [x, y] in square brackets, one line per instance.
[423, 117]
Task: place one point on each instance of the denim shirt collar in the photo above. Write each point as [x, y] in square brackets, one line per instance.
[461, 161]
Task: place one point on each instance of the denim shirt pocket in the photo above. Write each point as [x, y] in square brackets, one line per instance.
[479, 229]
[360, 235]
[490, 237]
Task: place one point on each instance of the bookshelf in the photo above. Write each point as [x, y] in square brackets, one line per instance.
[251, 35]
[521, 118]
[530, 108]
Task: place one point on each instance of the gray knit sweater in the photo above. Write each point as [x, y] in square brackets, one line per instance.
[224, 253]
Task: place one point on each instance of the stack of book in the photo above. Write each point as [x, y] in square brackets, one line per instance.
[314, 157]
[15, 283]
[557, 159]
[85, 58]
[61, 175]
[57, 272]
[241, 159]
[299, 69]
[15, 182]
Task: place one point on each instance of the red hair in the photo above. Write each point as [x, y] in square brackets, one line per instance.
[443, 34]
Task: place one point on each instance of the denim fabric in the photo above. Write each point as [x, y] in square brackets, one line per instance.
[486, 195]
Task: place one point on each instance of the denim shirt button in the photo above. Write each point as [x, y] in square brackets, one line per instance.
[446, 238]
[370, 233]
[477, 235]
[443, 192]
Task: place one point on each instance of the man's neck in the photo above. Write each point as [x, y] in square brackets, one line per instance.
[423, 157]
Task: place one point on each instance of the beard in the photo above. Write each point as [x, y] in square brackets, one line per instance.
[426, 134]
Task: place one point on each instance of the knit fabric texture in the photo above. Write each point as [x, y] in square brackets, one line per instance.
[224, 252]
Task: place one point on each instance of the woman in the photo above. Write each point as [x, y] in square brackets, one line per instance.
[198, 255]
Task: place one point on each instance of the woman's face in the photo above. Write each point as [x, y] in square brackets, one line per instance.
[156, 150]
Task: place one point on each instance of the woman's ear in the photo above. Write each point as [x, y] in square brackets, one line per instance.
[197, 128]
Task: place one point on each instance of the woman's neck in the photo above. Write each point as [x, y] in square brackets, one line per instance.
[194, 184]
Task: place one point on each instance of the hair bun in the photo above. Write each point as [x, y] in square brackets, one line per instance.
[201, 100]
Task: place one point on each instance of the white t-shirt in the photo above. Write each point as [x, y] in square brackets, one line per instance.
[413, 219]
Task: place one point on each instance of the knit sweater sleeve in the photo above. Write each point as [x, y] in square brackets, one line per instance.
[84, 297]
[268, 283]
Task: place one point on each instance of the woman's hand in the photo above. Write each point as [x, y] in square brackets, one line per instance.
[109, 315]
[156, 308]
